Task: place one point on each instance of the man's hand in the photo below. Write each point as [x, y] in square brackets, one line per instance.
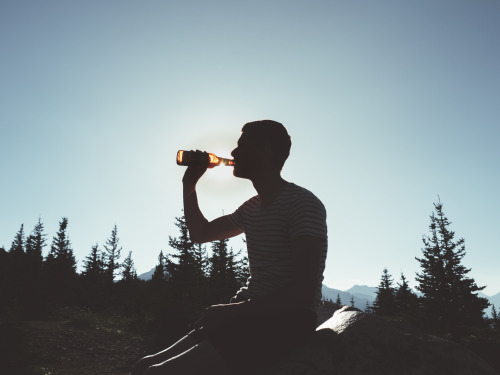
[192, 175]
[212, 318]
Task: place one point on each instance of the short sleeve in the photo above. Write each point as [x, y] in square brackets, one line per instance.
[307, 217]
[239, 217]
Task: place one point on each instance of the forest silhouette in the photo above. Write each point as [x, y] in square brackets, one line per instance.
[190, 278]
[184, 282]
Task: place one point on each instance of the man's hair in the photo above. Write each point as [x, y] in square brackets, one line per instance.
[274, 133]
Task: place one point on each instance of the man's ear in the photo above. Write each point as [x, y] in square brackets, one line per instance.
[267, 150]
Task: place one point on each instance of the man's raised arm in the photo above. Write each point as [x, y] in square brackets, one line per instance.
[200, 229]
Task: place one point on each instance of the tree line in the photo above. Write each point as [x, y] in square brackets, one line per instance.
[448, 302]
[185, 280]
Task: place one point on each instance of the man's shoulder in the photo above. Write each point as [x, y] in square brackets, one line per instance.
[251, 203]
[299, 193]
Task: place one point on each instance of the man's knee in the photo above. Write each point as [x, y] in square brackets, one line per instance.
[142, 365]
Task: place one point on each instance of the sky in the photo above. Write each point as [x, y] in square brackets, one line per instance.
[391, 106]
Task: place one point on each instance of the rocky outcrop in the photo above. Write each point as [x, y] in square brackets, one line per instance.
[354, 343]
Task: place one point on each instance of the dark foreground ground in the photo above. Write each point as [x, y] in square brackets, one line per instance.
[69, 345]
[77, 342]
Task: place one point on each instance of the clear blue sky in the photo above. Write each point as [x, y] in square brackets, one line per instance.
[389, 104]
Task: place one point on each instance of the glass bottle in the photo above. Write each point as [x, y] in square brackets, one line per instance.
[201, 158]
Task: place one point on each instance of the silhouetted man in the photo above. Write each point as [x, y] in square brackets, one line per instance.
[285, 228]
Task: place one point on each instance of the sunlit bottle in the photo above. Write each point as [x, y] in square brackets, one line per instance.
[201, 158]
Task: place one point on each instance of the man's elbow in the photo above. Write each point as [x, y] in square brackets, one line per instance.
[303, 299]
[197, 236]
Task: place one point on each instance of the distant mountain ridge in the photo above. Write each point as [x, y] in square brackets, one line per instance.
[362, 294]
[147, 275]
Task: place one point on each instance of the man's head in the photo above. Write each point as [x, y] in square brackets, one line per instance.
[266, 139]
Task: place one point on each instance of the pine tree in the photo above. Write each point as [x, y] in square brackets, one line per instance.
[17, 247]
[128, 271]
[240, 266]
[35, 243]
[450, 297]
[16, 283]
[405, 299]
[112, 255]
[17, 255]
[368, 308]
[61, 251]
[222, 272]
[60, 266]
[185, 272]
[160, 272]
[352, 301]
[4, 266]
[338, 301]
[93, 277]
[93, 265]
[201, 259]
[385, 303]
[185, 283]
[495, 319]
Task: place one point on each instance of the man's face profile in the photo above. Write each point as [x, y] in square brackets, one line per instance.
[246, 156]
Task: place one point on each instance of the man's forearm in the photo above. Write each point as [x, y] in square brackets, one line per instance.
[195, 220]
[280, 301]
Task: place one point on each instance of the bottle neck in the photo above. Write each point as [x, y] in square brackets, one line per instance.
[226, 162]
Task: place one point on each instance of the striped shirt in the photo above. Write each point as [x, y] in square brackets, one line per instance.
[270, 230]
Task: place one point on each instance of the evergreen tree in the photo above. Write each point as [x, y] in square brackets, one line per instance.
[35, 243]
[201, 259]
[3, 268]
[222, 272]
[17, 257]
[385, 303]
[242, 269]
[352, 301]
[112, 255]
[240, 265]
[128, 272]
[160, 272]
[4, 281]
[60, 266]
[185, 281]
[17, 246]
[95, 289]
[15, 283]
[338, 301]
[93, 265]
[406, 300]
[495, 319]
[61, 251]
[450, 297]
[185, 272]
[18, 272]
[368, 308]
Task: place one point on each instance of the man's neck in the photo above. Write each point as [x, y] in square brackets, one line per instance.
[268, 187]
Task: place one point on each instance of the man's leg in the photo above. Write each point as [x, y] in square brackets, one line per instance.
[186, 343]
[200, 359]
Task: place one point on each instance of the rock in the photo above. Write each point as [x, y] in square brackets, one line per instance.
[354, 343]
